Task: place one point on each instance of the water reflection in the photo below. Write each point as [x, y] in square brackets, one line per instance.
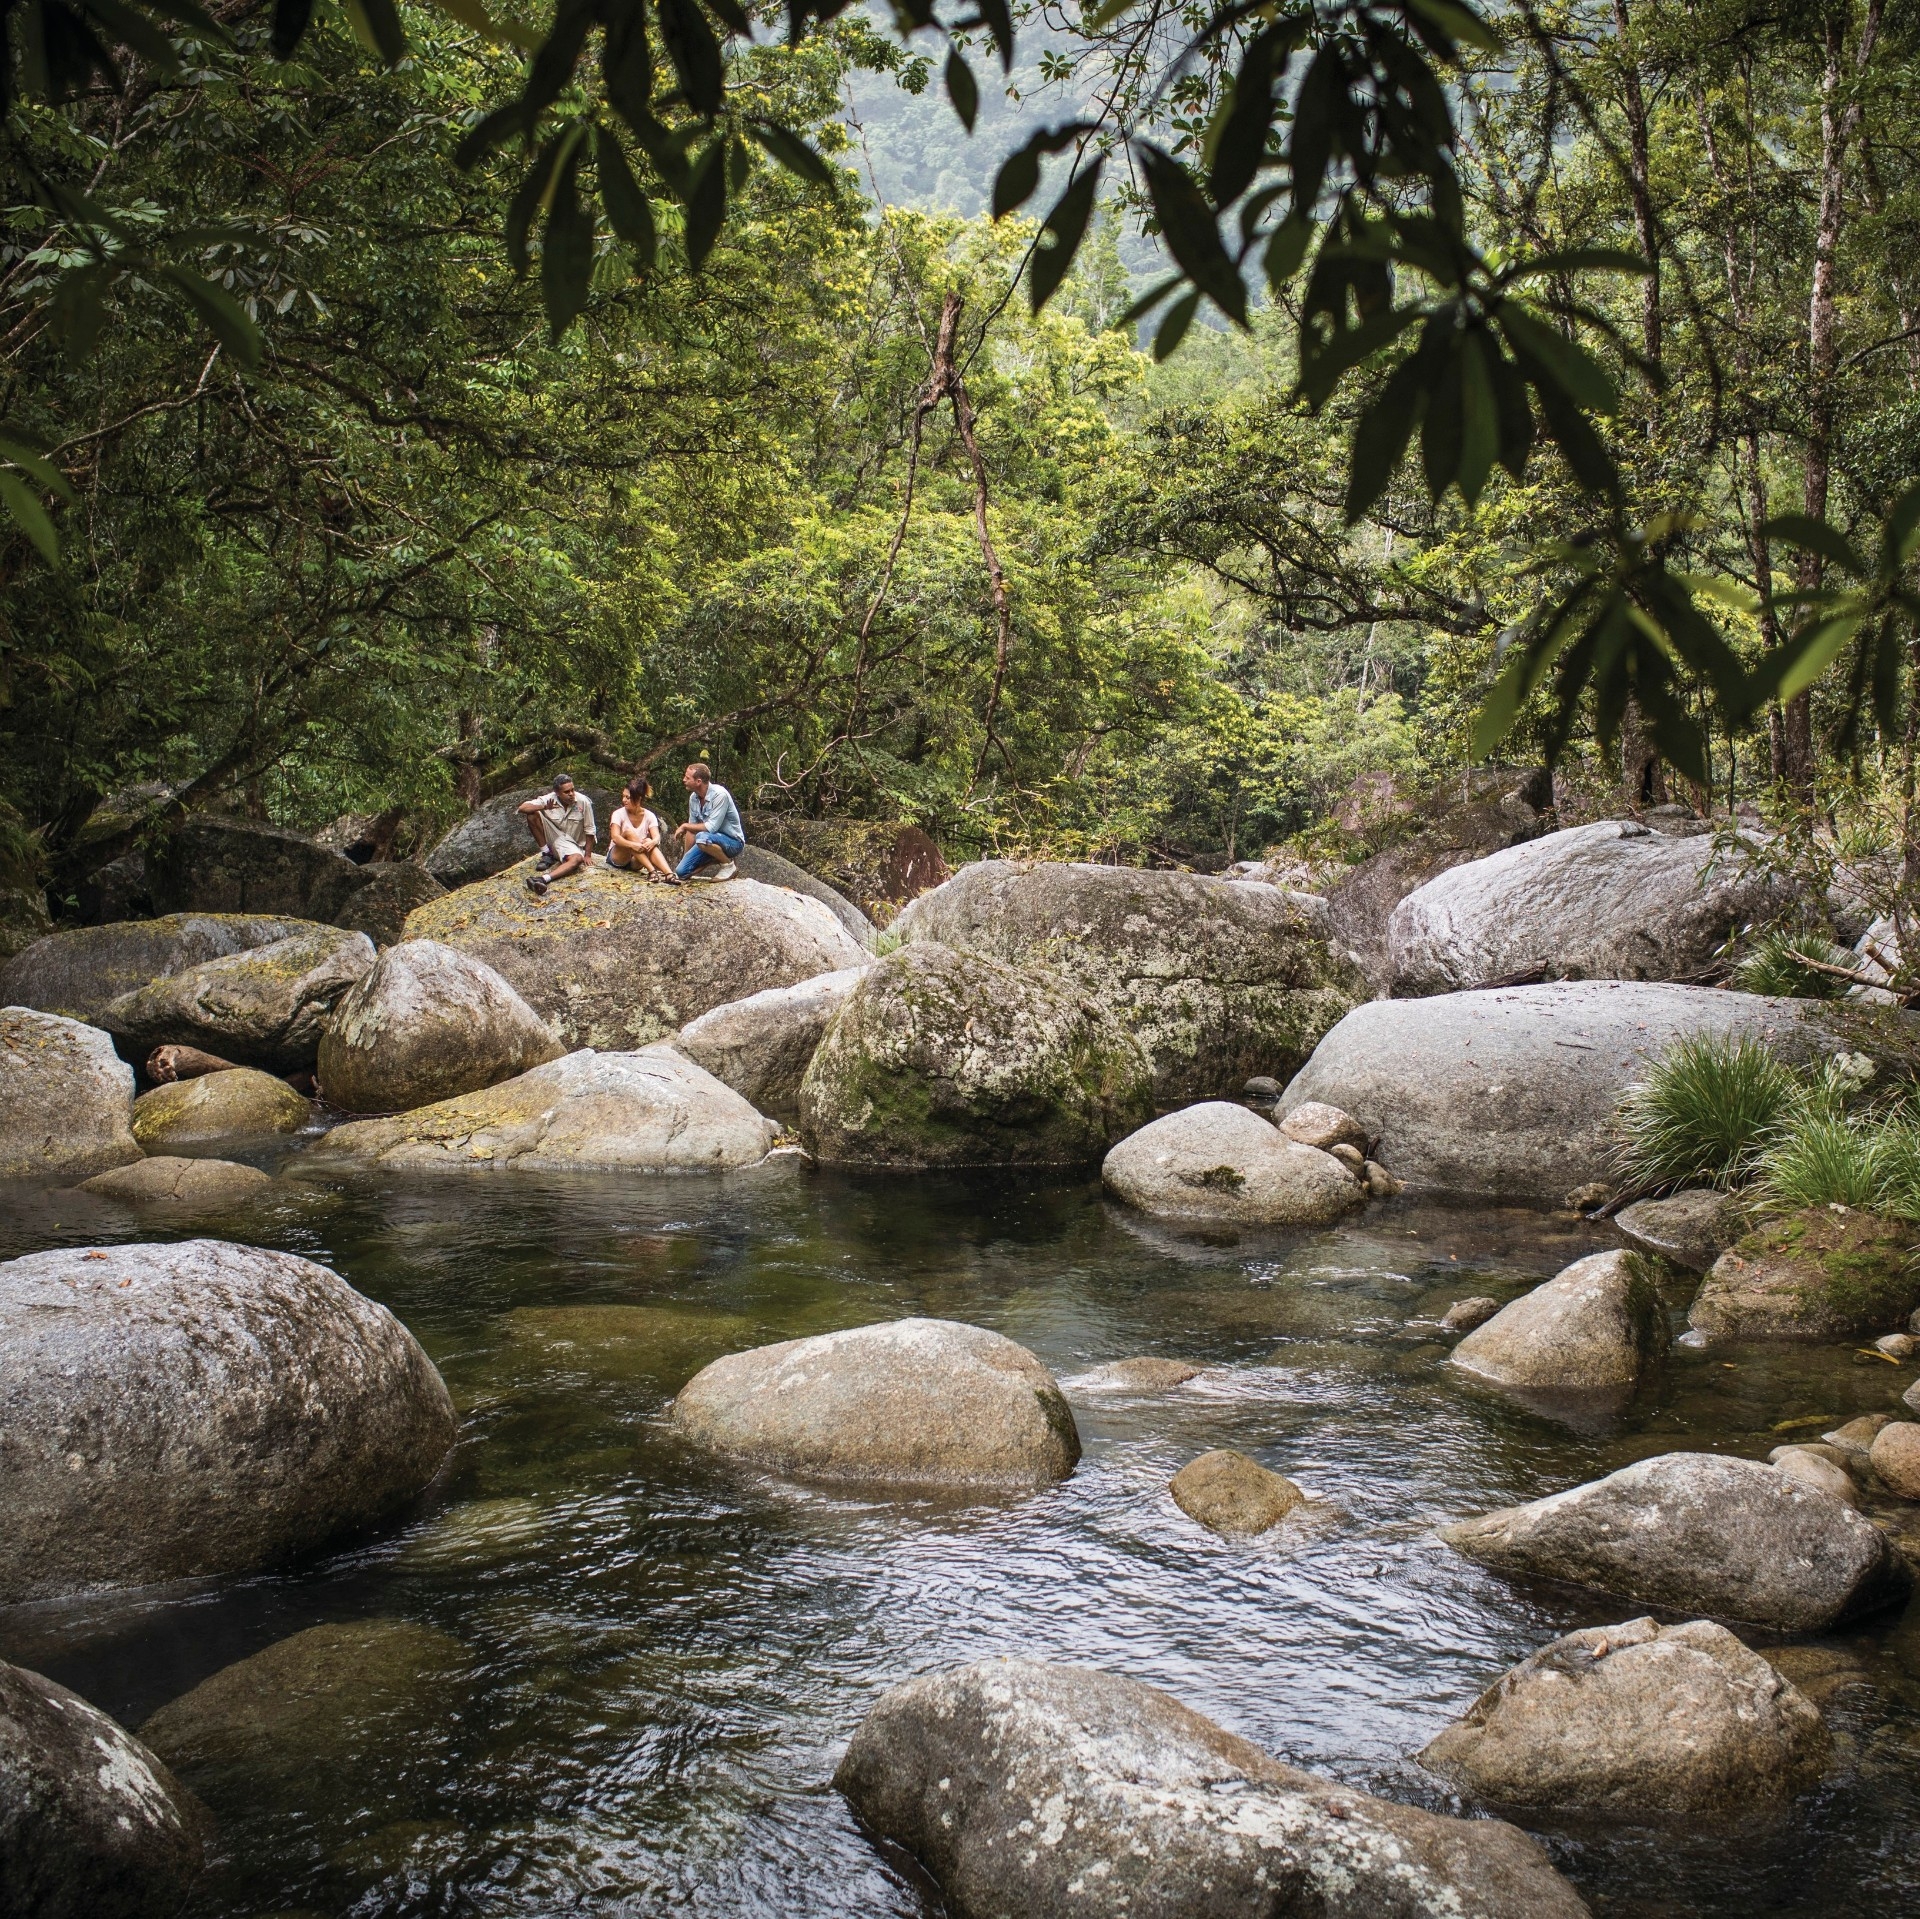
[644, 1666]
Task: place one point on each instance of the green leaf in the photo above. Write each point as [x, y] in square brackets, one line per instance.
[1903, 527]
[962, 90]
[1380, 438]
[706, 202]
[1019, 175]
[1067, 223]
[695, 54]
[42, 472]
[472, 13]
[30, 517]
[1580, 260]
[1321, 373]
[629, 212]
[1816, 536]
[1808, 654]
[793, 153]
[1459, 23]
[1443, 431]
[1109, 12]
[376, 25]
[1151, 299]
[1285, 250]
[1585, 381]
[566, 251]
[226, 318]
[1479, 416]
[291, 18]
[1173, 329]
[1191, 233]
[999, 20]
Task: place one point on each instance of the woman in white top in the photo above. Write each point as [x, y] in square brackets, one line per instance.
[633, 834]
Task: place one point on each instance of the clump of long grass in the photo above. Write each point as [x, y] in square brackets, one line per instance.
[1776, 964]
[1705, 1113]
[1822, 1156]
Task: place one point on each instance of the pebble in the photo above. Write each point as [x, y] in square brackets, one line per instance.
[1351, 1158]
[1465, 1314]
[1807, 1466]
[1897, 1345]
[1379, 1182]
[1858, 1435]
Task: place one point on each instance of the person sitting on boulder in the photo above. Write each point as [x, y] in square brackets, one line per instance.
[712, 832]
[633, 834]
[562, 823]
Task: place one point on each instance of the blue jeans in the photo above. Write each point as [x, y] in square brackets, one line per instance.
[692, 858]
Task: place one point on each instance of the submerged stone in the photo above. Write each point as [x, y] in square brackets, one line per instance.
[1232, 1495]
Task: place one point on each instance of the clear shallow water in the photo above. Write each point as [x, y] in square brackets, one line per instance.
[637, 1670]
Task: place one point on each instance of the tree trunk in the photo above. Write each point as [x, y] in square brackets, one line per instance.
[1633, 103]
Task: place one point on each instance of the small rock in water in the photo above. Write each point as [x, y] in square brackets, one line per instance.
[1593, 1328]
[92, 1825]
[1037, 1790]
[1858, 1435]
[1637, 1718]
[1820, 1273]
[1262, 1092]
[1380, 1183]
[1219, 1161]
[1897, 1345]
[1351, 1158]
[1232, 1495]
[168, 1180]
[1691, 1229]
[1465, 1314]
[1318, 1124]
[1913, 1323]
[1815, 1469]
[1590, 1197]
[1911, 1397]
[1896, 1458]
[1147, 1375]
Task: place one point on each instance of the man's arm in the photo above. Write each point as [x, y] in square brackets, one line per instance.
[538, 804]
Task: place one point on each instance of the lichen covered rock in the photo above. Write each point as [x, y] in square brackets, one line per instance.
[1636, 1719]
[650, 1111]
[613, 962]
[762, 1045]
[173, 1411]
[914, 1402]
[92, 1825]
[212, 864]
[942, 1058]
[1217, 981]
[1691, 1229]
[1220, 1161]
[264, 1007]
[426, 1023]
[189, 1184]
[66, 1098]
[1814, 1274]
[1056, 1792]
[239, 1104]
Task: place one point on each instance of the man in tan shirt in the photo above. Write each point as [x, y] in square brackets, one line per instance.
[562, 823]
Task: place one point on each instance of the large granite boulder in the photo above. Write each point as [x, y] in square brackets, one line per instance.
[1636, 1719]
[652, 1111]
[1461, 820]
[241, 1104]
[266, 1007]
[387, 893]
[66, 1098]
[1813, 1274]
[494, 836]
[762, 1045]
[92, 1825]
[612, 962]
[1052, 1791]
[1614, 900]
[184, 1185]
[942, 1058]
[78, 973]
[1220, 1161]
[913, 1402]
[1218, 981]
[427, 1023]
[1590, 1332]
[172, 1411]
[771, 869]
[212, 864]
[1513, 1094]
[1696, 1532]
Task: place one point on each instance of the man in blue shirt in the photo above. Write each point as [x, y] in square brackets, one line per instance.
[713, 832]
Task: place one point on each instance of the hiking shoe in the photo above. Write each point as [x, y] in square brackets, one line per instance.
[725, 872]
[537, 884]
[547, 859]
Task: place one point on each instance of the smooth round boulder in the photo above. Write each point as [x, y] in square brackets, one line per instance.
[762, 1045]
[1813, 1467]
[1232, 1495]
[1217, 981]
[1465, 1314]
[1611, 900]
[1690, 1229]
[1592, 1329]
[1813, 1274]
[266, 1007]
[653, 1111]
[1896, 1457]
[92, 1824]
[81, 971]
[612, 962]
[426, 1023]
[1220, 1161]
[175, 1411]
[774, 869]
[1696, 1532]
[1634, 1719]
[1514, 1094]
[924, 1403]
[66, 1098]
[240, 1104]
[1148, 1374]
[1026, 1788]
[169, 1181]
[1322, 1126]
[941, 1058]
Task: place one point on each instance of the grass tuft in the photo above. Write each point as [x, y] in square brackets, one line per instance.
[1704, 1114]
[1770, 967]
[1822, 1158]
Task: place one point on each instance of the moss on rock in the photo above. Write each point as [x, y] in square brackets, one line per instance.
[1822, 1273]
